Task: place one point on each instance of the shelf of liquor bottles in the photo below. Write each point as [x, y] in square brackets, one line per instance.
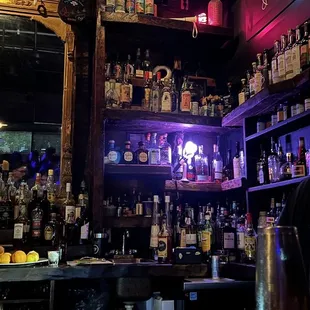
[267, 99]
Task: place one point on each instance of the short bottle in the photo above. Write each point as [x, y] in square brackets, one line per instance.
[142, 154]
[114, 155]
[165, 150]
[154, 151]
[128, 155]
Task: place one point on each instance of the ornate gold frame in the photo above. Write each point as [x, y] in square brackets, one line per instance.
[51, 20]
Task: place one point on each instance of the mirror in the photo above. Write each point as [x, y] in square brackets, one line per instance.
[31, 97]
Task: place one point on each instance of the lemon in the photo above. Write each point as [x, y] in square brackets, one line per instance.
[19, 257]
[32, 256]
[5, 258]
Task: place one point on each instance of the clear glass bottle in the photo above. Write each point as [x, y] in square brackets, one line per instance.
[281, 58]
[128, 155]
[165, 150]
[289, 68]
[273, 164]
[217, 165]
[185, 105]
[215, 13]
[113, 155]
[142, 157]
[154, 151]
[166, 100]
[299, 166]
[202, 165]
[112, 98]
[286, 168]
[236, 162]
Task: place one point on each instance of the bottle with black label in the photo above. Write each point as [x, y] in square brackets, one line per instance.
[37, 224]
[128, 155]
[142, 154]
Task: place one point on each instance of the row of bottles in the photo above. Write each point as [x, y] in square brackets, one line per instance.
[130, 6]
[291, 56]
[280, 166]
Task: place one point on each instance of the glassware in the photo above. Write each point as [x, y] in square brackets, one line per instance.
[142, 154]
[53, 258]
[128, 154]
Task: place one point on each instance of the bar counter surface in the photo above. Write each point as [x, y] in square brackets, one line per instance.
[106, 271]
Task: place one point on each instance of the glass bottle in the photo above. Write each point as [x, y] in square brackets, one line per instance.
[154, 151]
[281, 58]
[242, 97]
[228, 169]
[166, 100]
[271, 215]
[156, 93]
[286, 168]
[190, 171]
[217, 165]
[266, 69]
[274, 63]
[236, 162]
[289, 67]
[185, 105]
[165, 150]
[202, 165]
[250, 240]
[128, 155]
[262, 169]
[215, 13]
[114, 155]
[273, 164]
[68, 207]
[299, 166]
[229, 238]
[147, 65]
[125, 100]
[206, 237]
[304, 49]
[142, 157]
[174, 98]
[147, 92]
[37, 223]
[37, 185]
[262, 219]
[296, 53]
[191, 236]
[139, 73]
[154, 229]
[178, 155]
[112, 99]
[252, 80]
[46, 208]
[50, 186]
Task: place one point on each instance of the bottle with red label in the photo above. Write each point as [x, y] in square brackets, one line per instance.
[36, 223]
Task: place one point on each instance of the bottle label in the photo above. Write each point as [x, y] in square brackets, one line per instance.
[85, 231]
[240, 240]
[112, 156]
[149, 7]
[139, 73]
[280, 116]
[143, 157]
[269, 221]
[289, 67]
[70, 214]
[296, 59]
[125, 93]
[281, 67]
[154, 236]
[48, 233]
[117, 68]
[36, 228]
[274, 71]
[258, 80]
[120, 6]
[18, 231]
[140, 8]
[147, 97]
[261, 177]
[218, 170]
[183, 238]
[128, 157]
[236, 165]
[130, 6]
[154, 157]
[166, 102]
[155, 101]
[250, 246]
[186, 101]
[162, 247]
[300, 108]
[110, 3]
[241, 98]
[303, 55]
[205, 241]
[298, 171]
[229, 240]
[191, 239]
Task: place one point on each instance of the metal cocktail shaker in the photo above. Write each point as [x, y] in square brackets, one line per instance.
[281, 282]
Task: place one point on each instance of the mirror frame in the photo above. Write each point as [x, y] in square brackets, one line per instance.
[51, 20]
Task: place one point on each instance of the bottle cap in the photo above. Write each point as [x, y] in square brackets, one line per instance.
[167, 198]
[68, 187]
[50, 172]
[155, 198]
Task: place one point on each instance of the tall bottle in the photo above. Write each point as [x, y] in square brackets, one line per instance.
[289, 66]
[228, 168]
[165, 150]
[191, 236]
[37, 223]
[250, 240]
[69, 206]
[177, 155]
[206, 237]
[139, 73]
[125, 98]
[217, 165]
[185, 105]
[154, 229]
[296, 52]
[165, 235]
[147, 92]
[286, 168]
[274, 63]
[236, 162]
[154, 151]
[147, 65]
[281, 58]
[271, 215]
[37, 185]
[202, 165]
[304, 48]
[156, 93]
[45, 206]
[273, 163]
[299, 166]
[262, 168]
[166, 100]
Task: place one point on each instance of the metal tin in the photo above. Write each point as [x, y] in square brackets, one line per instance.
[215, 267]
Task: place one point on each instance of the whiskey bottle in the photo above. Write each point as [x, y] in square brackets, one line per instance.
[206, 237]
[50, 186]
[154, 151]
[274, 63]
[304, 48]
[242, 97]
[147, 92]
[142, 154]
[252, 83]
[139, 73]
[114, 155]
[128, 154]
[37, 224]
[250, 240]
[69, 206]
[165, 150]
[166, 100]
[273, 163]
[191, 236]
[289, 67]
[147, 65]
[125, 100]
[299, 166]
[202, 166]
[286, 168]
[50, 231]
[154, 229]
[156, 93]
[185, 105]
[217, 165]
[296, 53]
[281, 58]
[236, 162]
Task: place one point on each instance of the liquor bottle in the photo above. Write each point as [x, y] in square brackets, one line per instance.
[114, 155]
[278, 212]
[190, 171]
[271, 215]
[250, 240]
[129, 68]
[37, 224]
[242, 97]
[228, 169]
[165, 235]
[147, 65]
[50, 186]
[296, 52]
[154, 151]
[50, 230]
[185, 105]
[217, 165]
[266, 69]
[259, 79]
[274, 63]
[177, 74]
[191, 236]
[128, 155]
[273, 163]
[139, 73]
[229, 239]
[289, 66]
[281, 58]
[149, 7]
[154, 229]
[236, 162]
[299, 166]
[33, 202]
[37, 185]
[125, 100]
[304, 48]
[45, 207]
[141, 154]
[156, 93]
[112, 98]
[286, 168]
[174, 97]
[178, 155]
[262, 169]
[202, 165]
[206, 237]
[252, 83]
[21, 225]
[240, 232]
[165, 150]
[147, 92]
[68, 207]
[166, 100]
[280, 114]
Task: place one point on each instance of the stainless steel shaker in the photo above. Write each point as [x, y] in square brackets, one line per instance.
[281, 282]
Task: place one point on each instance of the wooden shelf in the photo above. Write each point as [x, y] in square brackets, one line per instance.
[292, 124]
[233, 184]
[126, 222]
[139, 170]
[265, 101]
[172, 185]
[142, 121]
[276, 185]
[166, 23]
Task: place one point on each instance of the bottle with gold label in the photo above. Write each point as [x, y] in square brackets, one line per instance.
[142, 154]
[289, 68]
[281, 58]
[147, 92]
[206, 237]
[128, 154]
[149, 7]
[249, 240]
